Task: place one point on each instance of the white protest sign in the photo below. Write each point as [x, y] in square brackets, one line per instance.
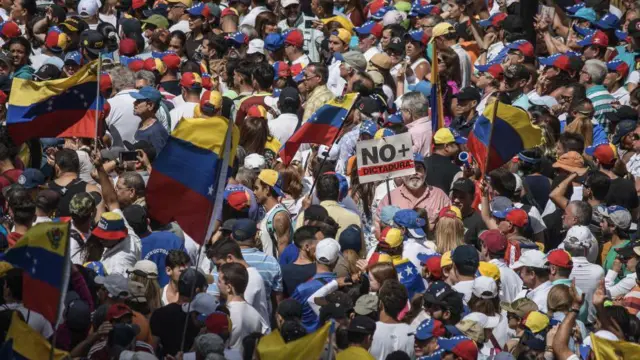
[386, 158]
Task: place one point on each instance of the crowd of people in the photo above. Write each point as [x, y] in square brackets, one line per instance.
[535, 259]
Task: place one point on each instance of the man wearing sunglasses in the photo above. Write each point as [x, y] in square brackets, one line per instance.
[178, 15]
[515, 77]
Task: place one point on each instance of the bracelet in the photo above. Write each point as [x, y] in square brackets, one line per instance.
[577, 311]
[548, 349]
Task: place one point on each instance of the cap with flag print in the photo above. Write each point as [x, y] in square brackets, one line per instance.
[573, 8]
[191, 80]
[558, 61]
[596, 38]
[607, 22]
[237, 38]
[418, 10]
[281, 70]
[321, 128]
[418, 36]
[618, 66]
[200, 9]
[380, 13]
[56, 40]
[523, 46]
[211, 98]
[495, 70]
[370, 28]
[583, 31]
[494, 20]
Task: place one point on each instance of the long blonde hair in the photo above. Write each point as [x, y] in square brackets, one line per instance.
[449, 234]
[153, 293]
[582, 126]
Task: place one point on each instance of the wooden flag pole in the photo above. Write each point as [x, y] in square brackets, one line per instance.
[493, 119]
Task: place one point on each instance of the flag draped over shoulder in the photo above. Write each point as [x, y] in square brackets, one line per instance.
[55, 108]
[321, 128]
[23, 342]
[43, 255]
[435, 100]
[512, 132]
[608, 349]
[185, 175]
[310, 346]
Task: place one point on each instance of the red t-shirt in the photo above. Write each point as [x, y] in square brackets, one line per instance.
[12, 174]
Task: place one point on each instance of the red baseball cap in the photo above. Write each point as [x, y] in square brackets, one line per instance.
[10, 29]
[172, 61]
[561, 258]
[191, 80]
[295, 38]
[494, 240]
[128, 47]
[433, 266]
[218, 323]
[605, 153]
[117, 311]
[105, 82]
[496, 70]
[137, 4]
[239, 200]
[136, 65]
[517, 217]
[257, 111]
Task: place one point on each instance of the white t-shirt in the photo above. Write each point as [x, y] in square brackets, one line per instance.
[510, 282]
[121, 121]
[283, 126]
[111, 19]
[391, 337]
[182, 25]
[256, 294]
[621, 95]
[465, 288]
[244, 321]
[538, 295]
[38, 60]
[184, 110]
[34, 319]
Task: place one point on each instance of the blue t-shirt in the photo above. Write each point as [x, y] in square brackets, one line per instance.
[155, 134]
[156, 246]
[289, 255]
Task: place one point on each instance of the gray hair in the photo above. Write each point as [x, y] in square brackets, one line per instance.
[596, 69]
[416, 103]
[133, 180]
[206, 344]
[122, 78]
[147, 76]
[249, 30]
[575, 247]
[582, 211]
[246, 177]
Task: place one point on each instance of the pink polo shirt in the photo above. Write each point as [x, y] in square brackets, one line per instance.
[421, 134]
[433, 199]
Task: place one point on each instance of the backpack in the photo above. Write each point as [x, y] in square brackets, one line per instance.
[272, 231]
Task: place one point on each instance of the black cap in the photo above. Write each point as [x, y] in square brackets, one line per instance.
[468, 93]
[396, 44]
[123, 334]
[136, 216]
[465, 255]
[290, 309]
[517, 72]
[316, 212]
[92, 41]
[228, 225]
[58, 12]
[244, 229]
[634, 28]
[188, 278]
[367, 106]
[624, 128]
[74, 25]
[47, 72]
[131, 26]
[624, 112]
[512, 24]
[350, 238]
[363, 325]
[465, 185]
[290, 95]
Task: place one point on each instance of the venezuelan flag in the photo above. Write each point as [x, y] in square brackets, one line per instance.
[321, 128]
[43, 254]
[183, 182]
[512, 132]
[310, 346]
[55, 108]
[23, 342]
[608, 349]
[409, 276]
[435, 100]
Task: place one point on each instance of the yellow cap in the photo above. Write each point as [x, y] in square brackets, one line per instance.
[209, 97]
[271, 178]
[445, 260]
[186, 3]
[393, 238]
[489, 270]
[443, 28]
[343, 35]
[448, 136]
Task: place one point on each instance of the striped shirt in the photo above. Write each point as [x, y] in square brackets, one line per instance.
[601, 99]
[267, 266]
[631, 301]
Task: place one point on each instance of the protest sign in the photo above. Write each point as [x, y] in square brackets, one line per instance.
[386, 158]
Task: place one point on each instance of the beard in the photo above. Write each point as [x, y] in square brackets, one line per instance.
[414, 182]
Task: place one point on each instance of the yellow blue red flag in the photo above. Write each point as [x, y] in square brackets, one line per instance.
[512, 132]
[23, 342]
[43, 255]
[310, 346]
[183, 183]
[435, 100]
[55, 108]
[321, 128]
[605, 349]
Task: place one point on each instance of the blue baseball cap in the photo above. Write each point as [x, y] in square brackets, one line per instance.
[378, 15]
[418, 158]
[74, 57]
[238, 38]
[368, 127]
[607, 22]
[572, 9]
[500, 204]
[395, 118]
[197, 10]
[494, 20]
[96, 266]
[274, 42]
[451, 343]
[423, 257]
[410, 220]
[148, 93]
[387, 213]
[31, 178]
[299, 78]
[586, 14]
[622, 35]
[584, 32]
[429, 328]
[465, 254]
[244, 229]
[422, 86]
[370, 28]
[424, 10]
[350, 238]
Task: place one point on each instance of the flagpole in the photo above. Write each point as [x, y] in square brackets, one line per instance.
[66, 275]
[493, 119]
[98, 97]
[315, 175]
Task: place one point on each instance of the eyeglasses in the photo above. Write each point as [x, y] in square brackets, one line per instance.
[309, 77]
[636, 137]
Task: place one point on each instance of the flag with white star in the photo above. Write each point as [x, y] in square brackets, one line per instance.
[66, 107]
[410, 277]
[43, 255]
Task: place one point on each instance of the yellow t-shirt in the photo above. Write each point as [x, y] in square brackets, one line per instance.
[354, 353]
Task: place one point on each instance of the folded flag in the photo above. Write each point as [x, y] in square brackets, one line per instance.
[605, 349]
[310, 346]
[55, 108]
[512, 133]
[321, 128]
[43, 255]
[23, 342]
[183, 183]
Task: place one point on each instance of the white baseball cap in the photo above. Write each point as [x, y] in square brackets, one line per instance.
[393, 17]
[487, 322]
[327, 251]
[204, 304]
[88, 8]
[286, 3]
[531, 258]
[254, 162]
[146, 268]
[484, 287]
[255, 46]
[116, 285]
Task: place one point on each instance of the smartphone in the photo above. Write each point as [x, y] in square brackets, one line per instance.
[308, 24]
[128, 156]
